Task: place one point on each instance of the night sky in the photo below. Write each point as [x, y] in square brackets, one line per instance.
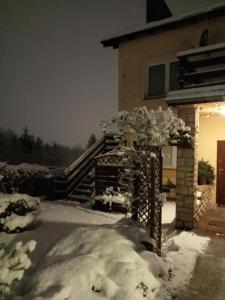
[55, 76]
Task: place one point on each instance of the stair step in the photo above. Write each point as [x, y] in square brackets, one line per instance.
[85, 186]
[59, 191]
[80, 191]
[109, 148]
[87, 181]
[80, 198]
[59, 181]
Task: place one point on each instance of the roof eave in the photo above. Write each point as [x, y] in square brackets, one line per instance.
[115, 41]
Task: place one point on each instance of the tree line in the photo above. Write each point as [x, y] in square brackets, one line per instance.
[16, 149]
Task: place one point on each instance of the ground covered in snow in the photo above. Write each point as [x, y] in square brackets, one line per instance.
[86, 254]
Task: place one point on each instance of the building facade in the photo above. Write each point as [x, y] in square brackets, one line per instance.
[180, 62]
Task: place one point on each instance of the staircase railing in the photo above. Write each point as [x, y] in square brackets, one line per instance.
[83, 165]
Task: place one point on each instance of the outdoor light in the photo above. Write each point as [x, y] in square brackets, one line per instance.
[221, 110]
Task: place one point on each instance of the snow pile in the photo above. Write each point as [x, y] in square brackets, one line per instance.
[13, 263]
[17, 211]
[168, 212]
[181, 253]
[104, 261]
[94, 262]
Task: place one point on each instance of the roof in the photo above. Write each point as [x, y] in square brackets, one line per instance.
[165, 24]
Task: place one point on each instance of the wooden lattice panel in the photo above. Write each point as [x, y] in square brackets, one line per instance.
[110, 159]
[147, 206]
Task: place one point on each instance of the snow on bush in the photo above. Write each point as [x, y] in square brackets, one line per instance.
[23, 176]
[13, 263]
[17, 211]
[151, 130]
[93, 262]
[112, 195]
[150, 127]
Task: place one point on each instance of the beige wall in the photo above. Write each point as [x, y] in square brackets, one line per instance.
[135, 57]
[211, 130]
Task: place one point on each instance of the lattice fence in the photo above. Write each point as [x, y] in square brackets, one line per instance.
[147, 205]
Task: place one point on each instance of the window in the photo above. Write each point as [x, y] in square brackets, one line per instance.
[156, 80]
[169, 157]
[174, 84]
[162, 78]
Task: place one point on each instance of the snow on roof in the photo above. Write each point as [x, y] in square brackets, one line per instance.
[114, 40]
[209, 93]
[193, 51]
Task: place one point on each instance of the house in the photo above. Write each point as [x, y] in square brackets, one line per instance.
[179, 61]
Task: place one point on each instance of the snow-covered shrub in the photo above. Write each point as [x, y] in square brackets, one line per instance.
[23, 178]
[150, 127]
[151, 130]
[17, 211]
[13, 263]
[114, 195]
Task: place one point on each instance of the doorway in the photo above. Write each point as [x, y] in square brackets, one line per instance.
[220, 185]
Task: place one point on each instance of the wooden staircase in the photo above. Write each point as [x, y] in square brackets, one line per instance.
[77, 183]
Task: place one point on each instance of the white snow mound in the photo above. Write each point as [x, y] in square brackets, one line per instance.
[93, 263]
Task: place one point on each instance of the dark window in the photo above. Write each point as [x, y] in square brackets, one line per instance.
[156, 85]
[174, 85]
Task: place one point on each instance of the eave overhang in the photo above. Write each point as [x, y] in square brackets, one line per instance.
[196, 95]
[166, 24]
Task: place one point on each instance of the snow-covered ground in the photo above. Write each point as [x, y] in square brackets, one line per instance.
[86, 254]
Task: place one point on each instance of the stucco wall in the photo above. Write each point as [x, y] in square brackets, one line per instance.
[209, 135]
[211, 130]
[135, 57]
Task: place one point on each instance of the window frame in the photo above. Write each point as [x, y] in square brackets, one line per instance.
[167, 64]
[173, 164]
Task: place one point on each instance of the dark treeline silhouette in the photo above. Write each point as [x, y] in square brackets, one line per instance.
[16, 149]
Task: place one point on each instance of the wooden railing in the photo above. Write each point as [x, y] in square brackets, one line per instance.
[203, 66]
[83, 165]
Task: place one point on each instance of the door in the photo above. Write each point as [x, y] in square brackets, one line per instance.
[220, 185]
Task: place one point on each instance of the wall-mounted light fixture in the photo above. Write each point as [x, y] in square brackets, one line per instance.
[221, 110]
[210, 110]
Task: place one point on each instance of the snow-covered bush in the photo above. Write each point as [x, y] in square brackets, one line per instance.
[17, 211]
[113, 195]
[151, 130]
[23, 178]
[13, 263]
[150, 127]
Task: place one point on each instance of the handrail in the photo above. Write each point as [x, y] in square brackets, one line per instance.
[84, 156]
[80, 168]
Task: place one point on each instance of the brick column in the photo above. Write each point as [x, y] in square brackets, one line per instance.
[187, 168]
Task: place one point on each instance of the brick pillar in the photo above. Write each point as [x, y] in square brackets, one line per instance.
[187, 168]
